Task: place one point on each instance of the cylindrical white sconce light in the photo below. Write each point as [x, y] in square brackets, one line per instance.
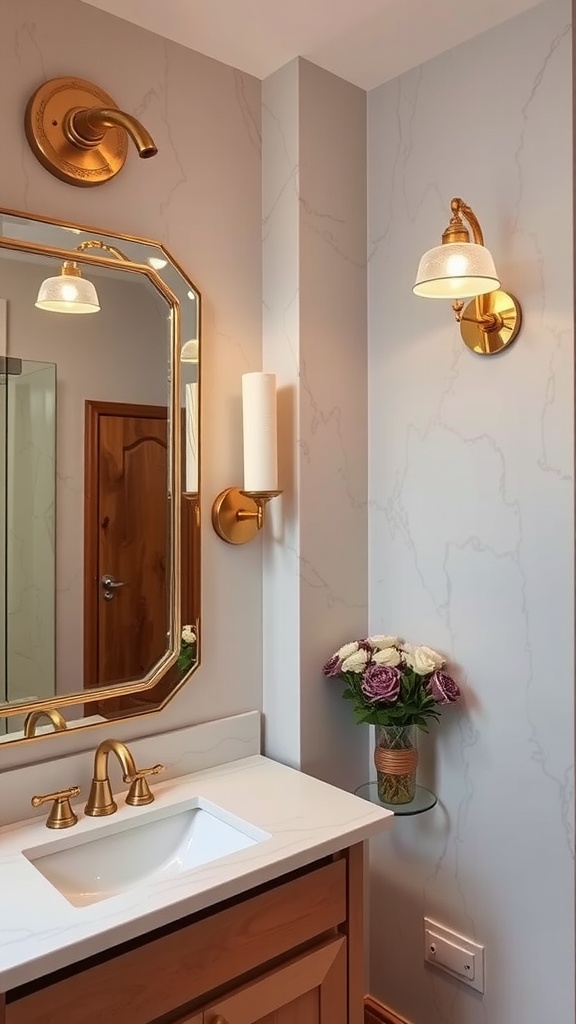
[238, 514]
[259, 432]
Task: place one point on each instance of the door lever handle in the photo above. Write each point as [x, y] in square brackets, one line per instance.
[109, 585]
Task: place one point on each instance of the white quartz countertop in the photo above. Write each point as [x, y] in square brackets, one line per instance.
[41, 931]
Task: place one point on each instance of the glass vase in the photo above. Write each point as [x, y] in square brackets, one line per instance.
[396, 758]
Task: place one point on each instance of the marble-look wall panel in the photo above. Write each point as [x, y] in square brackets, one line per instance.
[314, 300]
[471, 523]
[281, 355]
[201, 197]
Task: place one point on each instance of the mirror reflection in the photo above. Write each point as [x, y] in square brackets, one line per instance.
[96, 584]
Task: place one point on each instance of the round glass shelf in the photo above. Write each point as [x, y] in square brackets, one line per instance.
[424, 800]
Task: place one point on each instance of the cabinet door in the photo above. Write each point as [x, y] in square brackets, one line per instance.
[311, 989]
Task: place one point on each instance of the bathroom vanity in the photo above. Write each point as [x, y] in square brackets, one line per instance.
[271, 931]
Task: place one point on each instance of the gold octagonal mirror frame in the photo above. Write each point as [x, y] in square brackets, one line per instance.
[142, 261]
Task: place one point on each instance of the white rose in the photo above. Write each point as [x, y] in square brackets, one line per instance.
[381, 642]
[356, 662]
[388, 656]
[188, 634]
[347, 650]
[422, 659]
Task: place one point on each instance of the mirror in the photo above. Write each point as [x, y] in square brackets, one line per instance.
[99, 456]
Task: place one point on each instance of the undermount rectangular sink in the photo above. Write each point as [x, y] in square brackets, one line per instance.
[159, 844]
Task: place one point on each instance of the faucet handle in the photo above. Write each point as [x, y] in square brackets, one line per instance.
[61, 815]
[140, 792]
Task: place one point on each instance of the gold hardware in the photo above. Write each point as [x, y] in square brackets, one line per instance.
[457, 230]
[139, 792]
[32, 719]
[101, 801]
[95, 243]
[238, 515]
[219, 1020]
[78, 134]
[489, 323]
[61, 815]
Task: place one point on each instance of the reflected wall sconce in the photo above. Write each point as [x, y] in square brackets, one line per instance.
[78, 133]
[69, 292]
[460, 269]
[189, 351]
[238, 514]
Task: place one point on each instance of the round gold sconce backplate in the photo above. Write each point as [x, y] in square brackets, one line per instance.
[490, 323]
[226, 519]
[46, 117]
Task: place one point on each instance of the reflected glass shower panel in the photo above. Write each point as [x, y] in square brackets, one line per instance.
[30, 562]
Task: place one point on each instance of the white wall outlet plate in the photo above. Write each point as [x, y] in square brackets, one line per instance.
[454, 953]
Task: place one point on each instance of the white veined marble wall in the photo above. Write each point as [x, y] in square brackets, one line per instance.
[314, 327]
[471, 523]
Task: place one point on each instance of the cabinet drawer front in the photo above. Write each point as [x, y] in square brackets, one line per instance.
[320, 973]
[142, 984]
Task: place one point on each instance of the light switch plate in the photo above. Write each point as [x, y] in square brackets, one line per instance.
[458, 956]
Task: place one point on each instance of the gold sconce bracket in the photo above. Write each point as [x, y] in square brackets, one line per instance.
[78, 134]
[238, 515]
[489, 323]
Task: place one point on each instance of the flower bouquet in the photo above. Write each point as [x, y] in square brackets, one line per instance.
[187, 655]
[398, 688]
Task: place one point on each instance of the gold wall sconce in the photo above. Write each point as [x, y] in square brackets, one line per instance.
[69, 292]
[460, 269]
[78, 133]
[239, 513]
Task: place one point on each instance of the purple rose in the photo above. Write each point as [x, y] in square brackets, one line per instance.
[365, 645]
[381, 683]
[333, 666]
[443, 688]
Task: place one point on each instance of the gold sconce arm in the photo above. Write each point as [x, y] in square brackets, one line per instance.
[238, 515]
[95, 243]
[79, 135]
[456, 230]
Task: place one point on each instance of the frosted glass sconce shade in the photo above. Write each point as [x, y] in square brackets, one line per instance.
[460, 269]
[189, 353]
[456, 270]
[68, 293]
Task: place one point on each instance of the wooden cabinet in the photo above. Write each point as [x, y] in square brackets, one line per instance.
[310, 989]
[287, 953]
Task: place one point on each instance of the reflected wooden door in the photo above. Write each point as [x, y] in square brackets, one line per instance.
[126, 539]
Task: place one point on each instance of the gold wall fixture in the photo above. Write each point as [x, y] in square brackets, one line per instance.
[239, 513]
[460, 269]
[78, 133]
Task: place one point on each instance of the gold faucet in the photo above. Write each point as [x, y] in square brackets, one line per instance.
[101, 801]
[32, 719]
